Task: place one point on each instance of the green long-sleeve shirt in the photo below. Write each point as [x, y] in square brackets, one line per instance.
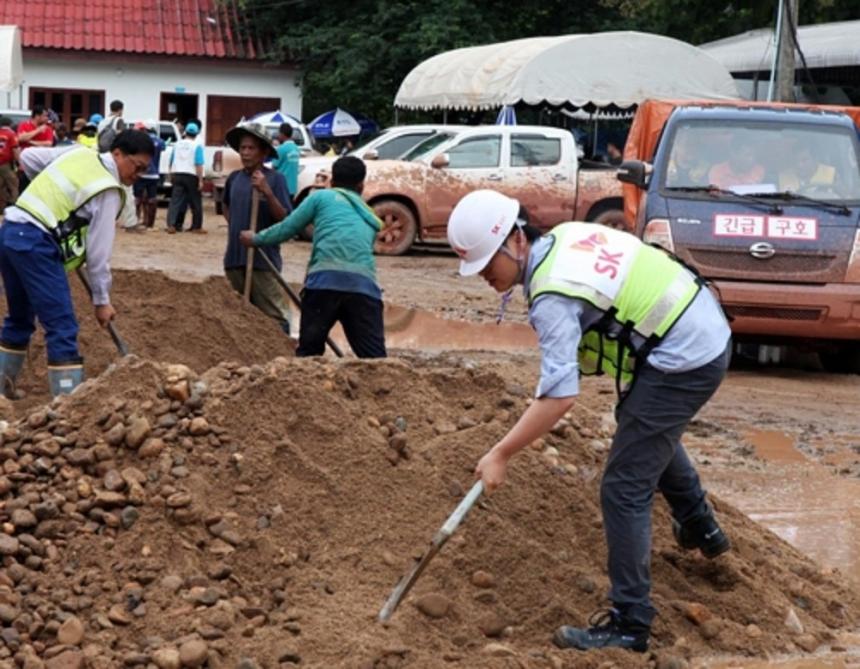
[345, 229]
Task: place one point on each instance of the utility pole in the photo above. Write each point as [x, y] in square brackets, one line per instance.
[786, 51]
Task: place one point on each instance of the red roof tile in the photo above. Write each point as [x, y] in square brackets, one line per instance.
[167, 27]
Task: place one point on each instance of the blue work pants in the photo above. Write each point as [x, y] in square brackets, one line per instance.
[36, 287]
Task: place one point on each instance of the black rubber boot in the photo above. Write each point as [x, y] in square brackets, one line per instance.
[703, 533]
[608, 629]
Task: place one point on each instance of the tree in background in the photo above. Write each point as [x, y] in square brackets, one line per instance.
[354, 54]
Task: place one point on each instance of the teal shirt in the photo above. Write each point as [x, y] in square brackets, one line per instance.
[345, 229]
[287, 163]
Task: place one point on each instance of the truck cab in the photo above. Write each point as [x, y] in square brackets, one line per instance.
[765, 201]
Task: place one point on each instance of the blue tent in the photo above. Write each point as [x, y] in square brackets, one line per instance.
[507, 116]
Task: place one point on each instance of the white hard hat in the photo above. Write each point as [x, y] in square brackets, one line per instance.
[478, 227]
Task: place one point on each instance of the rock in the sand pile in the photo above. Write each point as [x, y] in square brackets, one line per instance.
[71, 632]
[433, 605]
[193, 653]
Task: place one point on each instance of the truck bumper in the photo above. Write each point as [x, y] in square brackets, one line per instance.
[828, 311]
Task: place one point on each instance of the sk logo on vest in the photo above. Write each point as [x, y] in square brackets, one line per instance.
[592, 243]
[608, 263]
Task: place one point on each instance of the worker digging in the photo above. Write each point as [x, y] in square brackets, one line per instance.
[64, 218]
[601, 301]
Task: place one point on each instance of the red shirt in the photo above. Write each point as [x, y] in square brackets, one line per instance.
[8, 141]
[46, 135]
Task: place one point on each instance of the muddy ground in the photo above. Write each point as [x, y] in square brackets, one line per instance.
[253, 510]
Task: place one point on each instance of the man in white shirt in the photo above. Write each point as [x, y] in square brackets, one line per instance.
[186, 175]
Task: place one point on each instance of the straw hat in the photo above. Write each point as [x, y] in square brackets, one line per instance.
[235, 134]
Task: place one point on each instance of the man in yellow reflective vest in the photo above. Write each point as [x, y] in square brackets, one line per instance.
[601, 301]
[65, 217]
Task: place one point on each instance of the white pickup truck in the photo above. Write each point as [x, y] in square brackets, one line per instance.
[537, 165]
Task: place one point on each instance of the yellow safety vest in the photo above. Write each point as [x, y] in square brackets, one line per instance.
[641, 290]
[58, 191]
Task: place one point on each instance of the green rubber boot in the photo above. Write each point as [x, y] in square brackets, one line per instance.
[63, 379]
[11, 362]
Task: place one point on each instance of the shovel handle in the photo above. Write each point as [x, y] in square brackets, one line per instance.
[249, 255]
[462, 509]
[118, 341]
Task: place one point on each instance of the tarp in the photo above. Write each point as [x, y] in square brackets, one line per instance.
[11, 63]
[617, 69]
[651, 116]
[823, 45]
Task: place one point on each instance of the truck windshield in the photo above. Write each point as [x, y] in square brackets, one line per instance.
[427, 145]
[749, 158]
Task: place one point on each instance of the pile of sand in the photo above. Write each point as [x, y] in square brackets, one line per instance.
[259, 516]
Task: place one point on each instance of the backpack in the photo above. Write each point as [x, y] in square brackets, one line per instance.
[107, 135]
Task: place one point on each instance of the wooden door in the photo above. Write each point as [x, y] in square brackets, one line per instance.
[225, 111]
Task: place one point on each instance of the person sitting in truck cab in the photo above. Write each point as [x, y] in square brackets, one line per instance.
[806, 174]
[687, 166]
[741, 168]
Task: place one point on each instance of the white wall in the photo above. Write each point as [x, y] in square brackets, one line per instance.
[140, 84]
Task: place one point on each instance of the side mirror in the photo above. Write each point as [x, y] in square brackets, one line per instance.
[634, 172]
[440, 161]
[371, 154]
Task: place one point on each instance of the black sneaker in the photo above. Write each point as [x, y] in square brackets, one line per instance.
[608, 630]
[702, 533]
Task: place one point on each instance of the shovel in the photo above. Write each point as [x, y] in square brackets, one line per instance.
[439, 539]
[121, 346]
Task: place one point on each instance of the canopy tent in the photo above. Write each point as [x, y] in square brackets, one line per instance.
[618, 69]
[11, 63]
[824, 45]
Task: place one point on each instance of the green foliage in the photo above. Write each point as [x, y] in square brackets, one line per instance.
[355, 54]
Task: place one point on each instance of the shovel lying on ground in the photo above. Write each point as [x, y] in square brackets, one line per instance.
[296, 299]
[121, 346]
[439, 539]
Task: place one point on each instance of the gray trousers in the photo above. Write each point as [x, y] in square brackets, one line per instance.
[646, 456]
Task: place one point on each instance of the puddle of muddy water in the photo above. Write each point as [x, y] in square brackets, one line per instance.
[415, 329]
[774, 446]
[806, 505]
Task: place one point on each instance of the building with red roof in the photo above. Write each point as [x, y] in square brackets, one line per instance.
[165, 59]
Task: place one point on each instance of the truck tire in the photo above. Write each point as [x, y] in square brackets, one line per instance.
[843, 359]
[219, 200]
[399, 228]
[611, 218]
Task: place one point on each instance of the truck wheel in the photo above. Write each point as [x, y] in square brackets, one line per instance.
[612, 218]
[843, 359]
[399, 228]
[219, 197]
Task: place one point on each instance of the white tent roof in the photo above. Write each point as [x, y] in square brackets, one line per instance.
[824, 45]
[612, 68]
[11, 67]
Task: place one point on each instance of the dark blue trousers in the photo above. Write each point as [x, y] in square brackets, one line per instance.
[36, 287]
[647, 456]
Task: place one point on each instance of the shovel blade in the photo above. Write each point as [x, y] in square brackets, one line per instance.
[405, 585]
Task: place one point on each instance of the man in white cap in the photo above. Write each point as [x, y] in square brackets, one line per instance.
[602, 301]
[186, 176]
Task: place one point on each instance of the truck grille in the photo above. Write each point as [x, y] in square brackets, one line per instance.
[779, 313]
[712, 262]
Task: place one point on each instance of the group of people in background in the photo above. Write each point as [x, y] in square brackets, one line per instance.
[71, 200]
